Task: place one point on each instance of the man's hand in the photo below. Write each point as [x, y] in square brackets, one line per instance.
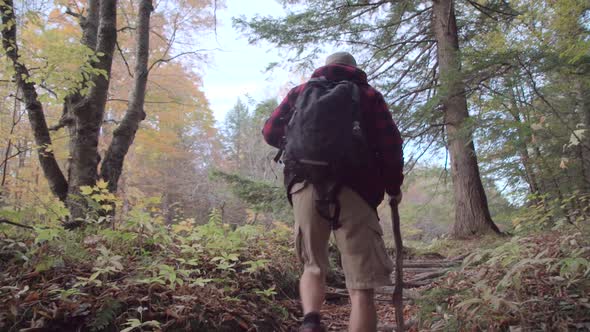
[396, 199]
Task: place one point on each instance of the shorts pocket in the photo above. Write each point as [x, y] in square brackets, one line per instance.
[383, 256]
[380, 251]
[376, 226]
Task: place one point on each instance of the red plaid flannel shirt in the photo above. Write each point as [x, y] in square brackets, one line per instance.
[380, 130]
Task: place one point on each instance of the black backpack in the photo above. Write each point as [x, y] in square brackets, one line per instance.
[325, 143]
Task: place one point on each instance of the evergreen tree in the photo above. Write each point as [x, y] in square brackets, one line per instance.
[410, 51]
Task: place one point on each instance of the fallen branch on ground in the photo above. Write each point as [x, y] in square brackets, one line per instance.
[6, 221]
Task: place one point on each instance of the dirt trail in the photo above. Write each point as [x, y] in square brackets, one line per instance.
[418, 273]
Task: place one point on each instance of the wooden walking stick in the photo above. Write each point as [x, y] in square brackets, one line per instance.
[399, 261]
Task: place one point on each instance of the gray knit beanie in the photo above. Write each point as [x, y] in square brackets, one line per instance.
[344, 58]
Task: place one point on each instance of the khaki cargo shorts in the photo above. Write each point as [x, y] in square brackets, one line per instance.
[360, 239]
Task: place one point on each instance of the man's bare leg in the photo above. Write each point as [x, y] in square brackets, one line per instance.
[363, 315]
[312, 290]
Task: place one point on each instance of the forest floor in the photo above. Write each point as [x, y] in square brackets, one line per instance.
[211, 278]
[539, 282]
[420, 273]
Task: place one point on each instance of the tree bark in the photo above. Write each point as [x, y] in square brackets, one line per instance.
[583, 94]
[124, 134]
[89, 113]
[54, 175]
[89, 25]
[472, 216]
[8, 149]
[83, 115]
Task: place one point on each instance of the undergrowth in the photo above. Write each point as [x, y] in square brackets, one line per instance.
[536, 280]
[143, 275]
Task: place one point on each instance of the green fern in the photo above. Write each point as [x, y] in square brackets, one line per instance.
[215, 217]
[106, 315]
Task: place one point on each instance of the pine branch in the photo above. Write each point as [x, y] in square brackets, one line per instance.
[426, 50]
[551, 107]
[362, 4]
[487, 10]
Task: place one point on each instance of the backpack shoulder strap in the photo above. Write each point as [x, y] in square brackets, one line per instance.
[300, 98]
[356, 101]
[298, 101]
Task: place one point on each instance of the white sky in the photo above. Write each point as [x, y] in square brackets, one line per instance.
[238, 68]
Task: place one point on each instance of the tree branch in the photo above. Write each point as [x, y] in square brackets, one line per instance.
[486, 10]
[401, 45]
[12, 156]
[123, 29]
[117, 122]
[88, 23]
[74, 14]
[373, 6]
[170, 41]
[124, 134]
[411, 66]
[415, 161]
[418, 89]
[154, 102]
[551, 107]
[48, 89]
[124, 59]
[425, 130]
[178, 56]
[105, 45]
[215, 18]
[480, 77]
[348, 4]
[64, 121]
[6, 221]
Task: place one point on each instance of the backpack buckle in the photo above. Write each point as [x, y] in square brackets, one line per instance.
[278, 156]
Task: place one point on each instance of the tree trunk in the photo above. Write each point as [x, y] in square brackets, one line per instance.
[83, 115]
[472, 216]
[54, 175]
[89, 114]
[125, 133]
[8, 149]
[89, 25]
[523, 148]
[583, 92]
[530, 176]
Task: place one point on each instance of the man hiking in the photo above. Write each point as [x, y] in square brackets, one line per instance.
[342, 152]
